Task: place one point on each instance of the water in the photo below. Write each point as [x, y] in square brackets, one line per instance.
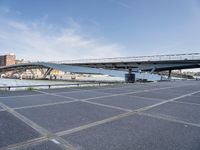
[17, 82]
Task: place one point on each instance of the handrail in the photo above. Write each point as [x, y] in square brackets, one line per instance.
[191, 56]
[53, 85]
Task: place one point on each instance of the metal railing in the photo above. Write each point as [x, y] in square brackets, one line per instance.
[58, 85]
[191, 56]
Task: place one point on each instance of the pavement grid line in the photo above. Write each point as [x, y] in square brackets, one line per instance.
[102, 121]
[39, 129]
[75, 99]
[117, 117]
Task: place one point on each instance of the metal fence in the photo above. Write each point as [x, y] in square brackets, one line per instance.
[48, 86]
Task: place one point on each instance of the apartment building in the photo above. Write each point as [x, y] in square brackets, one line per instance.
[8, 59]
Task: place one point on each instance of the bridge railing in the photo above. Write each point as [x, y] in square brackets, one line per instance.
[192, 56]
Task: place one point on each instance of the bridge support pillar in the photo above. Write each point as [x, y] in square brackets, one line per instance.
[130, 77]
[47, 72]
[169, 75]
[21, 76]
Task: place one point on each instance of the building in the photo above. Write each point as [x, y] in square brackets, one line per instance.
[8, 59]
[21, 61]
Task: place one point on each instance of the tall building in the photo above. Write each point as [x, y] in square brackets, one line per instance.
[8, 59]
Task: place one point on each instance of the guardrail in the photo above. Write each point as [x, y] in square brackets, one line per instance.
[191, 56]
[56, 85]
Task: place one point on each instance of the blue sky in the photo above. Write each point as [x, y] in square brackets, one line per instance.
[80, 29]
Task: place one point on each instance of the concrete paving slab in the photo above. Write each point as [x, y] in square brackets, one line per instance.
[15, 102]
[127, 102]
[130, 88]
[83, 94]
[90, 87]
[99, 88]
[13, 131]
[66, 116]
[156, 95]
[178, 91]
[45, 145]
[137, 133]
[140, 88]
[17, 93]
[111, 90]
[183, 112]
[116, 91]
[190, 99]
[58, 90]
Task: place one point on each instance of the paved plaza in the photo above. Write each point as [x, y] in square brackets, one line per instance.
[141, 116]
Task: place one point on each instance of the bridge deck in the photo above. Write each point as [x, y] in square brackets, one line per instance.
[136, 59]
[149, 116]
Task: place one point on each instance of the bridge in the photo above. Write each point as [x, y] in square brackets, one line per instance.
[113, 66]
[141, 63]
[155, 63]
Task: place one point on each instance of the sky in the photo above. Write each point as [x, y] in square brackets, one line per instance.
[50, 30]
